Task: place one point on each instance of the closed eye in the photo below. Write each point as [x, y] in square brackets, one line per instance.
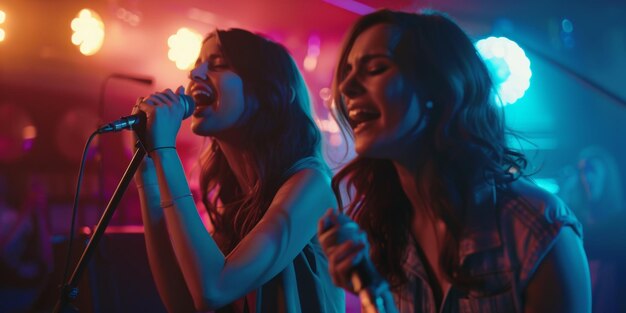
[218, 62]
[376, 70]
[219, 67]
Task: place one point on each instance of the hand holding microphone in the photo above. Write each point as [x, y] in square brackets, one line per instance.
[156, 119]
[347, 249]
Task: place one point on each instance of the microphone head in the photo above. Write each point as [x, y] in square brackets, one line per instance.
[188, 103]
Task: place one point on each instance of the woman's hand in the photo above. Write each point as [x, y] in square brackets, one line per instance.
[344, 244]
[164, 114]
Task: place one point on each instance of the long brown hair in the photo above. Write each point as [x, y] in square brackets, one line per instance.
[280, 131]
[464, 137]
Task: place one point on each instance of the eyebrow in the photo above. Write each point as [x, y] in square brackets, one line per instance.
[365, 58]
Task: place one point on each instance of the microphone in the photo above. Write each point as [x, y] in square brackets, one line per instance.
[371, 287]
[127, 122]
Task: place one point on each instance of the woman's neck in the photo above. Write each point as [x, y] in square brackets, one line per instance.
[240, 163]
[414, 172]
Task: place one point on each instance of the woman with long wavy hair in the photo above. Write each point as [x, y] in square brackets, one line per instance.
[262, 181]
[447, 216]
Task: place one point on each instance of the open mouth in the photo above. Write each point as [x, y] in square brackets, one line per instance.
[203, 96]
[358, 116]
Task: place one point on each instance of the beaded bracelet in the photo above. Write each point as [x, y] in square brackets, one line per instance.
[167, 204]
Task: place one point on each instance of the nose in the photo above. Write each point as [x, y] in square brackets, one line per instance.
[351, 87]
[200, 71]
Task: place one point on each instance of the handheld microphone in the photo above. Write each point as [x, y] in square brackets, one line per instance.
[371, 287]
[128, 122]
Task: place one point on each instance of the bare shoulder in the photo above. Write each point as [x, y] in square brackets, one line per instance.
[307, 179]
[307, 188]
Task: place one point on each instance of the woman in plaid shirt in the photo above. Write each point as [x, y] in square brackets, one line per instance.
[444, 211]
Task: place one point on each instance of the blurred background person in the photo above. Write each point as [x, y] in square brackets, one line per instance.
[593, 189]
[26, 257]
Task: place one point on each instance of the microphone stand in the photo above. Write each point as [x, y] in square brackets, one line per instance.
[69, 291]
[101, 97]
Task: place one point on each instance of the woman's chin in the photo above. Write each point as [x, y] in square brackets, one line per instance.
[197, 127]
[364, 149]
[374, 150]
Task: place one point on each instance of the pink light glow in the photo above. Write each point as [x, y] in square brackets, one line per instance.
[352, 6]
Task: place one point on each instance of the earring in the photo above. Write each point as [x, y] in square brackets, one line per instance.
[292, 95]
[429, 105]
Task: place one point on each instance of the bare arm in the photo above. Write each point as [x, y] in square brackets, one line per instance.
[562, 281]
[213, 279]
[163, 265]
[288, 225]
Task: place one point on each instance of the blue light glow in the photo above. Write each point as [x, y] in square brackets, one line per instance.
[548, 184]
[509, 67]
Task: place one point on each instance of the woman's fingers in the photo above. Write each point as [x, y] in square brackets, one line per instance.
[170, 96]
[328, 239]
[161, 99]
[344, 244]
[163, 116]
[135, 109]
[169, 101]
[342, 261]
[345, 251]
[326, 221]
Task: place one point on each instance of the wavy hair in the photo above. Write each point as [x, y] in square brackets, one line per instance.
[279, 131]
[464, 139]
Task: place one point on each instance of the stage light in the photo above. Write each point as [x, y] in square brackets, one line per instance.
[325, 93]
[313, 52]
[3, 17]
[184, 48]
[128, 16]
[310, 63]
[329, 125]
[88, 32]
[509, 67]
